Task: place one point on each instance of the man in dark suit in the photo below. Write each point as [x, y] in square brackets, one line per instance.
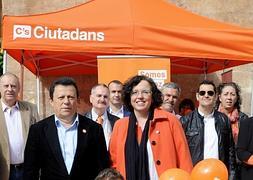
[66, 145]
[99, 98]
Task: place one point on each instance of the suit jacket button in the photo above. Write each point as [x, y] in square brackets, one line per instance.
[158, 162]
[153, 142]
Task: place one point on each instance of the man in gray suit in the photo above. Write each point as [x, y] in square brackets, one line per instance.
[15, 119]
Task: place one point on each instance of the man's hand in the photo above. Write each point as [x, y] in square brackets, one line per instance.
[250, 160]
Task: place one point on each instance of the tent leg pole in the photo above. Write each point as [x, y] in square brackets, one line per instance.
[251, 108]
[38, 92]
[22, 76]
[4, 61]
[205, 70]
[21, 81]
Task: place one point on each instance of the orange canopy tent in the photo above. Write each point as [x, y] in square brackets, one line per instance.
[67, 42]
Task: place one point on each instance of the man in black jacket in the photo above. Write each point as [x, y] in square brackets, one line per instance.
[66, 145]
[208, 131]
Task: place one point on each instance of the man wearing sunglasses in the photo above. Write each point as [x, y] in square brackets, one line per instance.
[208, 131]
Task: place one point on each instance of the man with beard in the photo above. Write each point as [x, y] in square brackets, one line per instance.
[171, 92]
[99, 98]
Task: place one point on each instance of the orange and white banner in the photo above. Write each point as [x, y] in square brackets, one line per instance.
[123, 67]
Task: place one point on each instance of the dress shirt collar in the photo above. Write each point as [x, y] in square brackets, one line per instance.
[206, 116]
[118, 113]
[94, 115]
[58, 122]
[5, 107]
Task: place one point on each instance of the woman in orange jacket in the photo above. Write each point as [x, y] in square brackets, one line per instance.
[151, 140]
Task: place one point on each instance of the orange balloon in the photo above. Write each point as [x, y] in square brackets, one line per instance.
[175, 174]
[209, 169]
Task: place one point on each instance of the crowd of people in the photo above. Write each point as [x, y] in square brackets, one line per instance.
[132, 131]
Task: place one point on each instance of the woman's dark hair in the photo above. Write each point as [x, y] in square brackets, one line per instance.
[186, 103]
[134, 81]
[238, 102]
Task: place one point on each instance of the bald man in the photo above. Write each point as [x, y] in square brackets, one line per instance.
[15, 119]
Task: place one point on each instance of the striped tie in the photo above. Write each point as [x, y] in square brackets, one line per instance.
[100, 120]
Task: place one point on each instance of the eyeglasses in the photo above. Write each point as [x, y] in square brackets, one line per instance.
[143, 93]
[210, 93]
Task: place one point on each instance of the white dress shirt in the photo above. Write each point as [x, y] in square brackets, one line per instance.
[210, 137]
[15, 133]
[119, 113]
[151, 164]
[68, 141]
[107, 128]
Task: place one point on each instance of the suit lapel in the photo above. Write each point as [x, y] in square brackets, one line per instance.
[112, 119]
[4, 134]
[53, 140]
[82, 137]
[24, 113]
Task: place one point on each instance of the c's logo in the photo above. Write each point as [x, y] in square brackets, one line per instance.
[22, 31]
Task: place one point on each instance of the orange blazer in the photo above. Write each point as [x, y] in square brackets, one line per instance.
[167, 138]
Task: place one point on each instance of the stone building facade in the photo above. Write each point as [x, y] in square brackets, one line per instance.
[229, 11]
